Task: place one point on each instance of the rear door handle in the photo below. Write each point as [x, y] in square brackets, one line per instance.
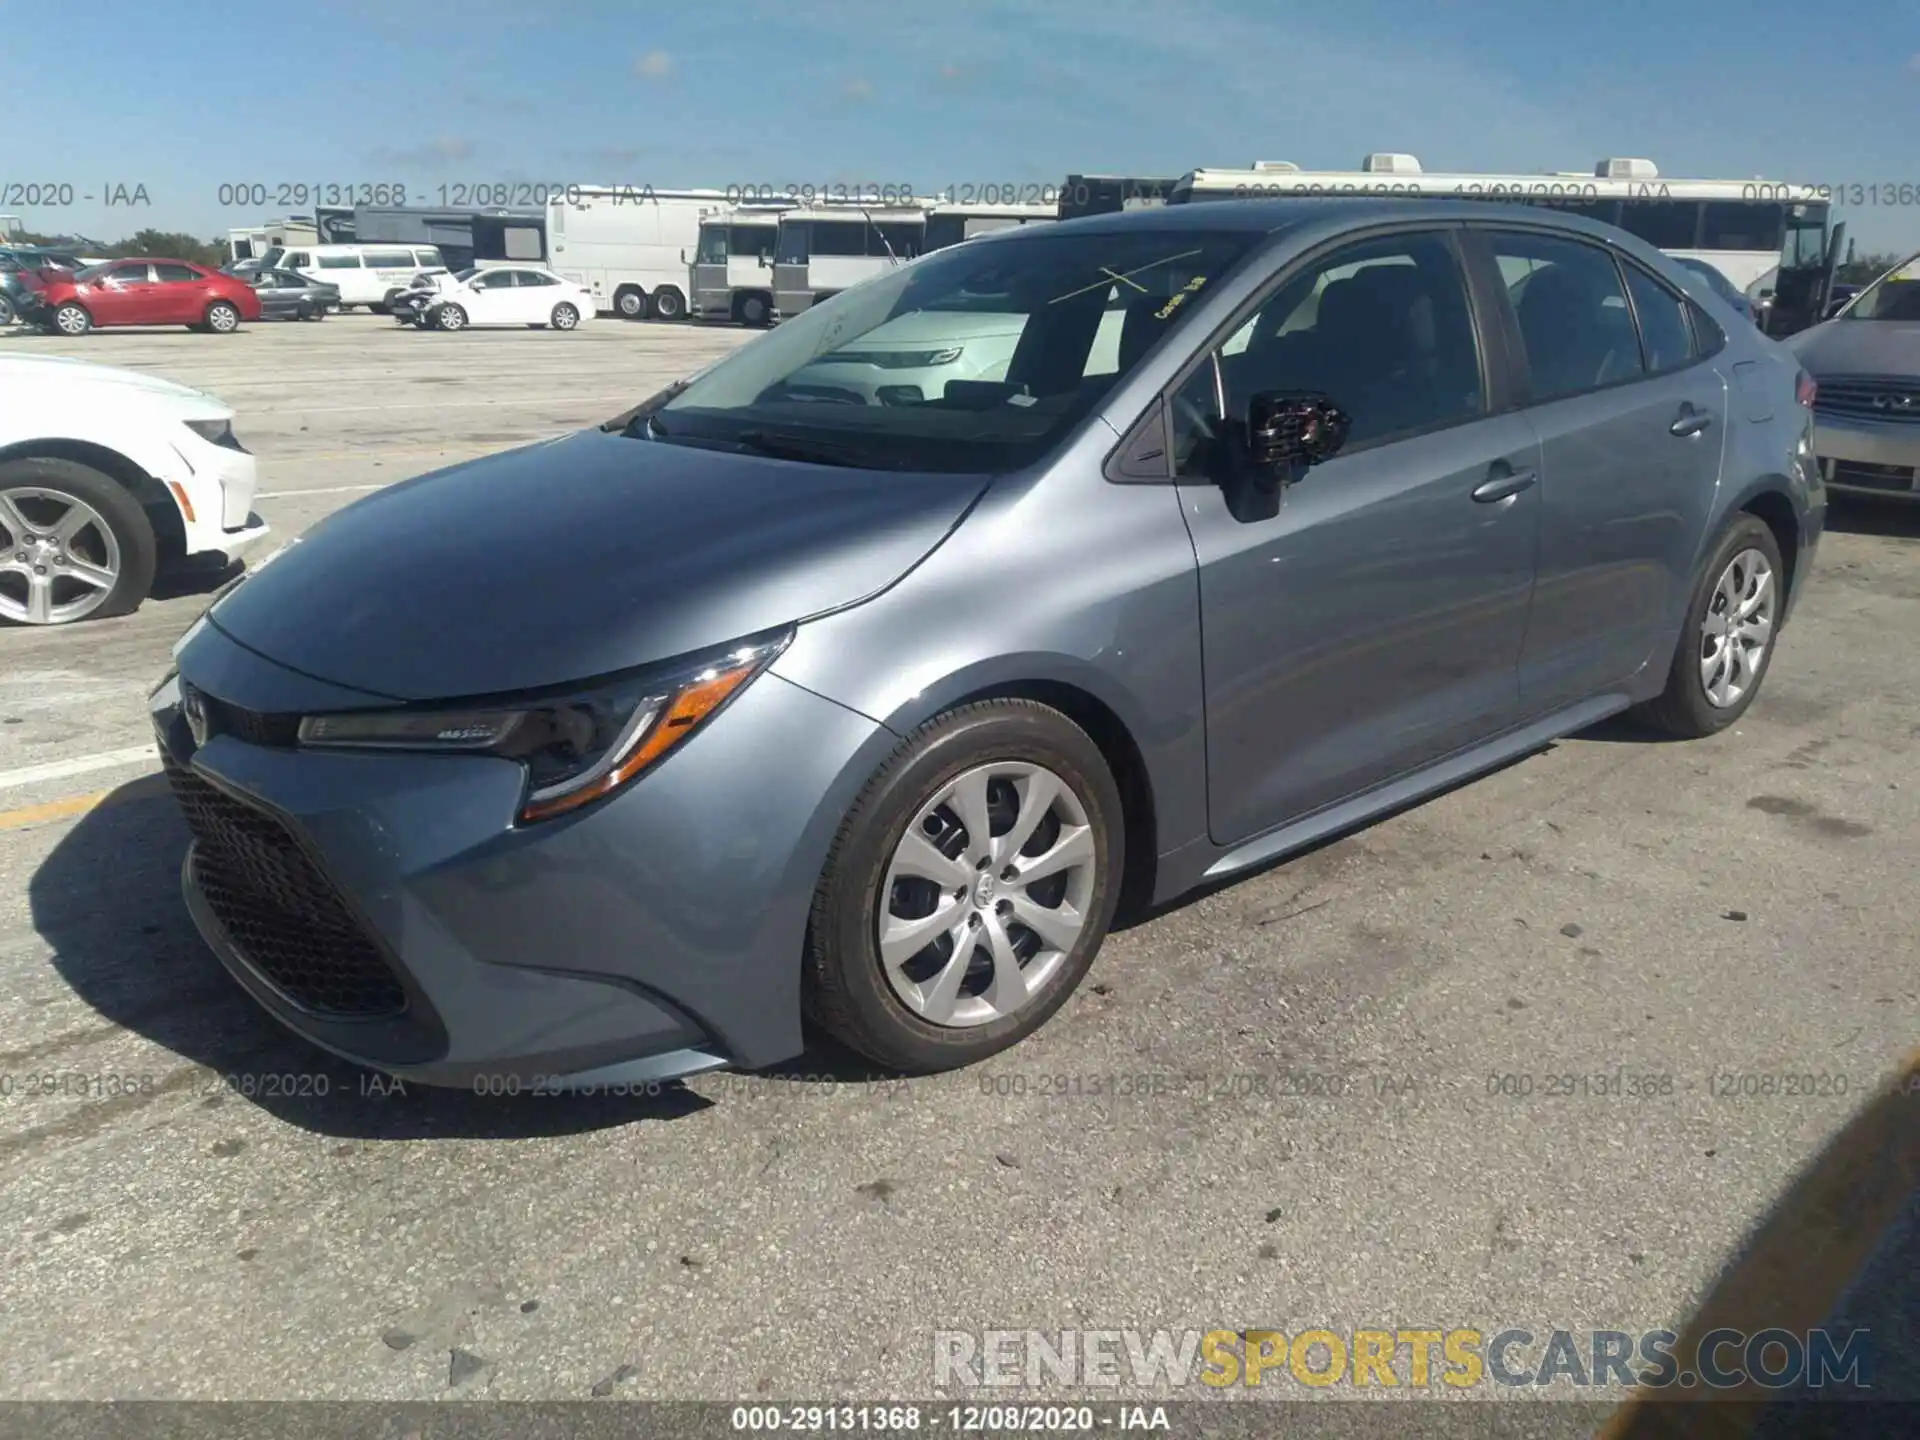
[1691, 422]
[1501, 486]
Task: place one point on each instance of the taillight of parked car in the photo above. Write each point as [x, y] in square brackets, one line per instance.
[1804, 389]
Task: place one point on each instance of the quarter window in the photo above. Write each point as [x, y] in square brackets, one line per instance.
[1572, 313]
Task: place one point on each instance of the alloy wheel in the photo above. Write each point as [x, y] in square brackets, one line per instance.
[60, 560]
[987, 892]
[1737, 628]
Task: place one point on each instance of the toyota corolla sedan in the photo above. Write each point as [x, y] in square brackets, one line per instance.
[1866, 362]
[865, 717]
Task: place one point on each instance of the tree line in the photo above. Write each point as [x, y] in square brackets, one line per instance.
[172, 244]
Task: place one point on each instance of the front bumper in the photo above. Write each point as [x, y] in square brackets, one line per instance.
[213, 488]
[420, 932]
[1862, 457]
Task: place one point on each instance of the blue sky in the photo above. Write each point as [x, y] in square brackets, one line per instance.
[182, 96]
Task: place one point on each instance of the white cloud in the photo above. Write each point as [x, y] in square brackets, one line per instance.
[654, 65]
[858, 92]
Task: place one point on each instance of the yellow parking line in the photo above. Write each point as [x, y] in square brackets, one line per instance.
[141, 789]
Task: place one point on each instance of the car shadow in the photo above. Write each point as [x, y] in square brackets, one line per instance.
[1864, 515]
[193, 576]
[1838, 1252]
[107, 903]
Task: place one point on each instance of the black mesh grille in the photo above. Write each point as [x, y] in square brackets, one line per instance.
[280, 912]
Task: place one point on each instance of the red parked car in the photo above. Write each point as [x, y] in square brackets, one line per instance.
[140, 292]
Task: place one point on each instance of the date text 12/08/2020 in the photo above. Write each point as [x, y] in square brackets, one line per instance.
[463, 195]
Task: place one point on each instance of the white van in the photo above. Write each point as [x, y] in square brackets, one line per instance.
[364, 273]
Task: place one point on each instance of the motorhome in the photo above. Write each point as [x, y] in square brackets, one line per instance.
[1747, 229]
[467, 238]
[731, 276]
[1110, 194]
[629, 244]
[823, 249]
[949, 223]
[252, 242]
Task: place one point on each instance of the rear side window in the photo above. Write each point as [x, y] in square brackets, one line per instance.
[339, 262]
[299, 259]
[174, 274]
[1708, 337]
[1575, 327]
[1665, 337]
[389, 260]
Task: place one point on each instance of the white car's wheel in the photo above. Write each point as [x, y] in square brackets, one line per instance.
[451, 317]
[565, 317]
[74, 544]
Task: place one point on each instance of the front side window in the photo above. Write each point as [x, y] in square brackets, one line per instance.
[1572, 312]
[131, 275]
[839, 238]
[1382, 329]
[496, 280]
[978, 358]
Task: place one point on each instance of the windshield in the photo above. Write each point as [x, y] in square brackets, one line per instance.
[1894, 296]
[461, 275]
[978, 358]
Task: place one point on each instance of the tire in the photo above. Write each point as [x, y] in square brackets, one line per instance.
[1686, 708]
[630, 302]
[7, 312]
[450, 317]
[565, 317]
[754, 311]
[222, 318]
[120, 535]
[851, 992]
[668, 304]
[72, 319]
[377, 309]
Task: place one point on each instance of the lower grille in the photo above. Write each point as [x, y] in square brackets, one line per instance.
[280, 912]
[1895, 479]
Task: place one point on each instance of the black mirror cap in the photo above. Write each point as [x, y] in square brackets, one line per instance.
[1288, 428]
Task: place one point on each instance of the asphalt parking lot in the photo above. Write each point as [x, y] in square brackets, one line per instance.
[1276, 1105]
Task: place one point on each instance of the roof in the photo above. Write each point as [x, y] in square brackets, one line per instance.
[1294, 213]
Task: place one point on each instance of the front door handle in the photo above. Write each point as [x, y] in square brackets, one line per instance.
[1691, 422]
[1501, 486]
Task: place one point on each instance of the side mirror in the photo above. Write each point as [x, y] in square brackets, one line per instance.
[683, 254]
[764, 263]
[1287, 429]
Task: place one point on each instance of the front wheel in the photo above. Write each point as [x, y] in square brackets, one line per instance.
[755, 311]
[968, 889]
[451, 317]
[1728, 636]
[74, 544]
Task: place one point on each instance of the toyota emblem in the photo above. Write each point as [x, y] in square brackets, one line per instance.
[193, 705]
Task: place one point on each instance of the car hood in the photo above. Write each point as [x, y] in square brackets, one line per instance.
[1859, 347]
[579, 557]
[67, 372]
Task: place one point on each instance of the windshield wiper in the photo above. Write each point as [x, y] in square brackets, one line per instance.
[799, 447]
[625, 422]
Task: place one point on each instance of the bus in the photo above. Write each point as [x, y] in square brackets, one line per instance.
[1771, 239]
[629, 244]
[464, 238]
[731, 277]
[824, 249]
[1110, 194]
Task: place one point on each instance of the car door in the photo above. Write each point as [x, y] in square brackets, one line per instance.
[123, 295]
[491, 300]
[536, 293]
[180, 293]
[1631, 420]
[1371, 620]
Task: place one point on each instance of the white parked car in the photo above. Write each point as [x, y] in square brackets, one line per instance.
[911, 358]
[511, 295]
[108, 476]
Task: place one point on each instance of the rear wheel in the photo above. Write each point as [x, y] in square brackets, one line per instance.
[968, 890]
[565, 317]
[631, 302]
[451, 317]
[222, 318]
[72, 319]
[754, 310]
[7, 313]
[1728, 636]
[74, 545]
[669, 304]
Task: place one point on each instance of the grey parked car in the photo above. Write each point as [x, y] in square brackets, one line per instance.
[289, 295]
[1866, 363]
[1278, 517]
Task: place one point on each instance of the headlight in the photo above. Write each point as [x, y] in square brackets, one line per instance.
[215, 432]
[577, 746]
[894, 359]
